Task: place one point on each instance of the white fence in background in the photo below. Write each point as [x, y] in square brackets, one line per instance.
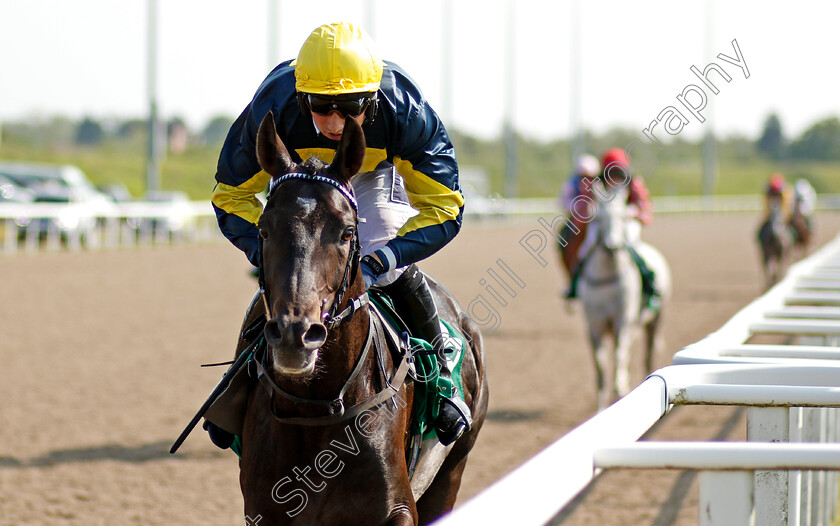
[51, 226]
[31, 227]
[785, 474]
[663, 204]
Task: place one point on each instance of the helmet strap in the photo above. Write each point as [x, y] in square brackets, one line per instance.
[303, 106]
[372, 109]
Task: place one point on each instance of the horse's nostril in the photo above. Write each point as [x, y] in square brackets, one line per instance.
[296, 334]
[272, 332]
[315, 336]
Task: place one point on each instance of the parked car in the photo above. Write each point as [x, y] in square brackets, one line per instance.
[12, 192]
[117, 192]
[60, 184]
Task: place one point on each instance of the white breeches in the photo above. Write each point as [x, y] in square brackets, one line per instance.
[383, 210]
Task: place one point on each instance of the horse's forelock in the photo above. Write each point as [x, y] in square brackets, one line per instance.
[314, 166]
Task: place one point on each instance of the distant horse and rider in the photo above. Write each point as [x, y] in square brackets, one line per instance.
[622, 282]
[787, 229]
[802, 217]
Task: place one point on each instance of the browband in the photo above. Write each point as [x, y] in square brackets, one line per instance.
[319, 178]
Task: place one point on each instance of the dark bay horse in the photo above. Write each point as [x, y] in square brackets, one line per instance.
[309, 455]
[774, 238]
[802, 230]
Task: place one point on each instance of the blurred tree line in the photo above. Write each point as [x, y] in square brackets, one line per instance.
[113, 150]
[744, 163]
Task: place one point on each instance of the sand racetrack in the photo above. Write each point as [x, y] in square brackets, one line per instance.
[100, 354]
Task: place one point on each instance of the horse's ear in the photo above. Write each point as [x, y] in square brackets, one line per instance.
[350, 153]
[272, 154]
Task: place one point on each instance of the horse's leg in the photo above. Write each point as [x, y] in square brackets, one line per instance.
[598, 354]
[651, 340]
[440, 496]
[623, 343]
[769, 273]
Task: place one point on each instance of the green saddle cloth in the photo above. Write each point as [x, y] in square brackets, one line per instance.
[429, 385]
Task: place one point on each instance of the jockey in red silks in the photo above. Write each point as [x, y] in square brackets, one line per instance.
[639, 206]
[777, 195]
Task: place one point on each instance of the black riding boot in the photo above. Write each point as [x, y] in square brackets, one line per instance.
[411, 294]
[571, 292]
[221, 438]
[651, 296]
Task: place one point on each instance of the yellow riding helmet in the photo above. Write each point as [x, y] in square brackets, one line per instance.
[338, 58]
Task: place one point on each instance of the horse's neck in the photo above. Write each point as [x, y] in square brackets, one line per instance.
[799, 209]
[605, 265]
[776, 218]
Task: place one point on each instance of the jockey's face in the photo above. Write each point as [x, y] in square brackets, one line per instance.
[332, 124]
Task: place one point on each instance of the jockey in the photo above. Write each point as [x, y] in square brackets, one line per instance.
[804, 199]
[408, 192]
[615, 171]
[777, 195]
[587, 168]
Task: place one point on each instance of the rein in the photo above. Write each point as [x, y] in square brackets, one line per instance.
[336, 410]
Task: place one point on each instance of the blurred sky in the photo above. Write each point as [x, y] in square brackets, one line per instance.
[88, 57]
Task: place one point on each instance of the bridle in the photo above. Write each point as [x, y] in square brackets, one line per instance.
[336, 410]
[332, 318]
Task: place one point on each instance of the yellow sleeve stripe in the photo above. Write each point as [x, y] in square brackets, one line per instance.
[241, 200]
[435, 202]
[373, 156]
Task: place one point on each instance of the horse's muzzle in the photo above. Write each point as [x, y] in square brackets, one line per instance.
[294, 342]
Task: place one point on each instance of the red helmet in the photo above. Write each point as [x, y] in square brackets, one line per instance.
[615, 166]
[776, 185]
[615, 156]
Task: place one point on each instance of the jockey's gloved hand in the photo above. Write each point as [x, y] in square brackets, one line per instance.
[372, 269]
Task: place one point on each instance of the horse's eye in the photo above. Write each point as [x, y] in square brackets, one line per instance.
[347, 235]
[263, 234]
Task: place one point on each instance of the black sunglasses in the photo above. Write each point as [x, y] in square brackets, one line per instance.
[350, 107]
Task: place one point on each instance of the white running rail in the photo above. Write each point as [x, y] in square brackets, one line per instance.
[784, 475]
